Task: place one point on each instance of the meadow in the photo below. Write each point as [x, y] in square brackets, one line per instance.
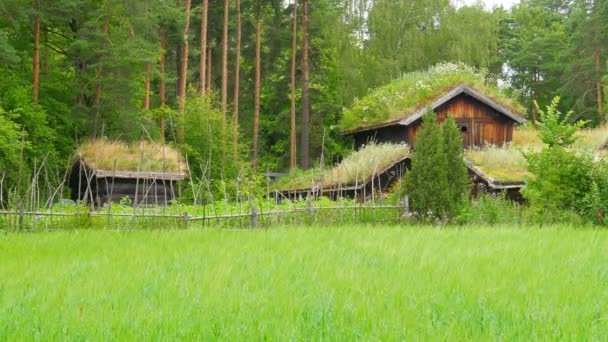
[318, 283]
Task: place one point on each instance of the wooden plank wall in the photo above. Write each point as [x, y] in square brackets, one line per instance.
[484, 124]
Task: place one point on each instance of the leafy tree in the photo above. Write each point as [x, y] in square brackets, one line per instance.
[562, 179]
[555, 129]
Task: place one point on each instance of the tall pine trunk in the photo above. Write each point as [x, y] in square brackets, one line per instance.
[256, 100]
[162, 89]
[237, 71]
[224, 95]
[209, 50]
[147, 87]
[36, 75]
[203, 57]
[184, 71]
[292, 135]
[305, 102]
[598, 83]
[106, 25]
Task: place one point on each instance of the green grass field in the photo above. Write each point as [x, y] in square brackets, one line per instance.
[371, 283]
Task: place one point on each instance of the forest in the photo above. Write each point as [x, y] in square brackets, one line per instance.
[262, 85]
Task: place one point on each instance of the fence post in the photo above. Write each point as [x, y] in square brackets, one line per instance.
[185, 220]
[406, 205]
[309, 208]
[254, 215]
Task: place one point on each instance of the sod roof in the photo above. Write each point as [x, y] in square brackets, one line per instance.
[145, 159]
[411, 95]
[356, 169]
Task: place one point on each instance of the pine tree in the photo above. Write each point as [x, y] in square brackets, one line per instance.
[292, 133]
[256, 98]
[457, 176]
[304, 150]
[426, 184]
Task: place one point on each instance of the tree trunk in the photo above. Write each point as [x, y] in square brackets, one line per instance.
[163, 62]
[106, 25]
[36, 68]
[184, 72]
[292, 136]
[237, 71]
[209, 50]
[598, 84]
[203, 57]
[178, 66]
[256, 100]
[225, 63]
[305, 104]
[147, 87]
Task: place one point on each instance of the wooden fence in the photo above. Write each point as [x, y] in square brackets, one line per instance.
[28, 220]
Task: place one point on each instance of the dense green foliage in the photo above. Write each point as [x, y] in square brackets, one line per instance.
[565, 179]
[457, 172]
[372, 283]
[437, 184]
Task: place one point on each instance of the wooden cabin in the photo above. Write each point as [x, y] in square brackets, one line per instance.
[480, 118]
[148, 176]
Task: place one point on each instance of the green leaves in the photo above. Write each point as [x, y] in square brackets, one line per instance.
[555, 128]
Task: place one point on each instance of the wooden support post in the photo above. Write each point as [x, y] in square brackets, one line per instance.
[309, 207]
[254, 216]
[185, 220]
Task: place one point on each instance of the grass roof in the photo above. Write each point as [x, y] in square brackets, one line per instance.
[144, 156]
[416, 90]
[501, 163]
[358, 167]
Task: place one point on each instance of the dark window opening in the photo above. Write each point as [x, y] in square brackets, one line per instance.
[463, 129]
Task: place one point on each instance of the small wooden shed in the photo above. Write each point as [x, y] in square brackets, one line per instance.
[481, 119]
[145, 173]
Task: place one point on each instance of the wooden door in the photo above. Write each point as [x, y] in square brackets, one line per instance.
[464, 126]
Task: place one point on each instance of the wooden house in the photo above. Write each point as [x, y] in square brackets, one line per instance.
[142, 174]
[481, 119]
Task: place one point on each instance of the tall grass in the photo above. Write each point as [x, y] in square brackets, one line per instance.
[372, 283]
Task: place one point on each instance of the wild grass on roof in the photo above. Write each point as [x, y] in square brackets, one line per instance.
[501, 163]
[415, 90]
[144, 156]
[358, 167]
